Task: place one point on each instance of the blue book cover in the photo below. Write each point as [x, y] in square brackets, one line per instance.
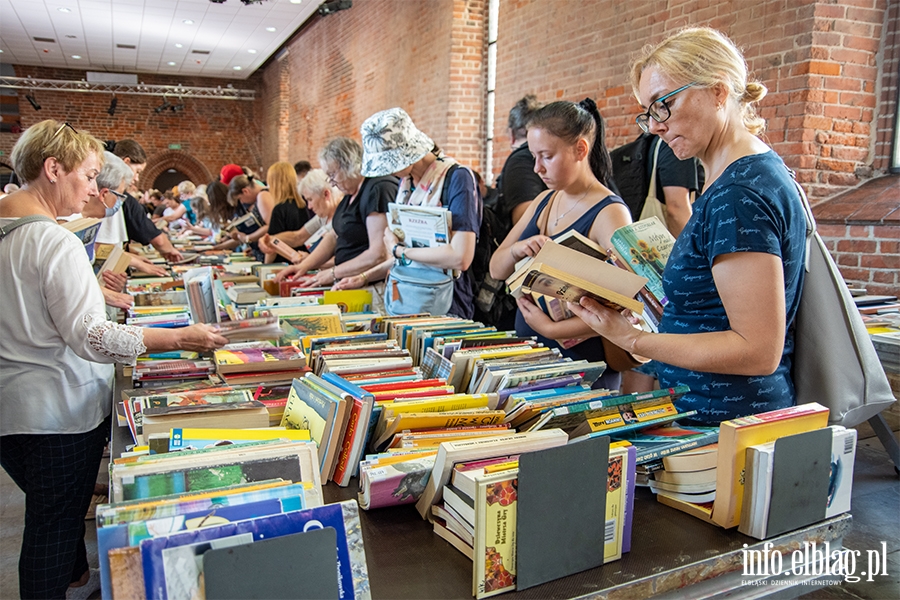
[116, 536]
[171, 568]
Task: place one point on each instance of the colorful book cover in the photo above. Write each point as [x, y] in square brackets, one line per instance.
[646, 246]
[172, 569]
[494, 555]
[349, 301]
[259, 359]
[630, 481]
[302, 412]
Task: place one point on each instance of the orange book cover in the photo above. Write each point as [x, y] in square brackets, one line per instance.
[736, 435]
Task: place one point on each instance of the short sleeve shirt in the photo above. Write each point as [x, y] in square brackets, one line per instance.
[287, 216]
[752, 207]
[670, 171]
[464, 203]
[138, 225]
[518, 183]
[349, 219]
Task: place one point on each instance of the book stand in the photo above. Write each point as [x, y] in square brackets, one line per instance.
[561, 511]
[297, 566]
[800, 476]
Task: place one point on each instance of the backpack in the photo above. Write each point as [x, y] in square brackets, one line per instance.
[629, 163]
[492, 301]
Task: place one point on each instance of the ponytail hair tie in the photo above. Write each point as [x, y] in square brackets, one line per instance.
[589, 105]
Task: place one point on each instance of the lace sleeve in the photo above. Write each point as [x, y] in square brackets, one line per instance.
[120, 342]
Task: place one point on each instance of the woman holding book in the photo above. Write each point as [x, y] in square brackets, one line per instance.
[393, 145]
[57, 353]
[567, 141]
[290, 212]
[354, 244]
[734, 275]
[323, 199]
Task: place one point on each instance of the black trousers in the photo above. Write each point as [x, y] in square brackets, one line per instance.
[57, 472]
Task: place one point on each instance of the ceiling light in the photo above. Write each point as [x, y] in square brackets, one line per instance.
[271, 29]
[164, 106]
[296, 1]
[236, 67]
[112, 106]
[179, 45]
[72, 37]
[251, 51]
[188, 22]
[64, 10]
[76, 56]
[1, 51]
[32, 101]
[171, 63]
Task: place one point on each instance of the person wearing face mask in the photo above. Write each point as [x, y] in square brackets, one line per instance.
[57, 354]
[734, 275]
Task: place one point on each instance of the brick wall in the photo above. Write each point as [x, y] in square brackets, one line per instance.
[819, 59]
[353, 63]
[214, 132]
[867, 255]
[890, 87]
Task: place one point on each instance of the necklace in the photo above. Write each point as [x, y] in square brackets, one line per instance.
[571, 208]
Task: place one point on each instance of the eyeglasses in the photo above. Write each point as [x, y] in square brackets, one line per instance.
[332, 177]
[58, 131]
[119, 195]
[658, 109]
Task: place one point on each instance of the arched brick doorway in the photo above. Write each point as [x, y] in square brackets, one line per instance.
[174, 159]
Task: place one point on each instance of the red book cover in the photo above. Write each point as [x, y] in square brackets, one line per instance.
[347, 443]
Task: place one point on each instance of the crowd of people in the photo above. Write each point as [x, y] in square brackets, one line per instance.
[732, 280]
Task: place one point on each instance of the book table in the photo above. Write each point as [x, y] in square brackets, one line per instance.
[673, 555]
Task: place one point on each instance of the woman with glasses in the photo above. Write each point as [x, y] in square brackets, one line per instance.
[290, 212]
[57, 353]
[355, 242]
[567, 142]
[734, 275]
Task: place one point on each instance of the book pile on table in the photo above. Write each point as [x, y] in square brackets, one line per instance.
[688, 476]
[254, 363]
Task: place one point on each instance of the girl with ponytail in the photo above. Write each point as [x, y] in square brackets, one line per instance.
[567, 141]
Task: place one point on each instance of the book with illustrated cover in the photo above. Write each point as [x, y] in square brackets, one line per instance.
[250, 360]
[558, 283]
[645, 247]
[85, 229]
[494, 551]
[394, 482]
[191, 438]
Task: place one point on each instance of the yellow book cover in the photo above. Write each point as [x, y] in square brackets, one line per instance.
[300, 415]
[494, 555]
[349, 301]
[436, 404]
[615, 502]
[437, 420]
[736, 435]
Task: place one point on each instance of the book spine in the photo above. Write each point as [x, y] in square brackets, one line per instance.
[347, 444]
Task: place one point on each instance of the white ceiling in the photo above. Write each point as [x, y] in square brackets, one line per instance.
[234, 34]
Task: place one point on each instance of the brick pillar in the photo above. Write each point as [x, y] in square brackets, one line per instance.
[467, 83]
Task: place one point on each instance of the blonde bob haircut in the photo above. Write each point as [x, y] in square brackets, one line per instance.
[52, 138]
[282, 181]
[705, 56]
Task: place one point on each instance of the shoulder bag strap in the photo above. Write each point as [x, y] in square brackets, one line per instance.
[5, 231]
[652, 189]
[810, 219]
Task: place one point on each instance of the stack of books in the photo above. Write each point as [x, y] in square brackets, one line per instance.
[687, 476]
[162, 373]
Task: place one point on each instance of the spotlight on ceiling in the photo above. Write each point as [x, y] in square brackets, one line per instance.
[333, 6]
[112, 106]
[31, 100]
[164, 106]
[178, 107]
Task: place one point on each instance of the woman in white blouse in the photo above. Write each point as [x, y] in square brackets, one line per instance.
[57, 351]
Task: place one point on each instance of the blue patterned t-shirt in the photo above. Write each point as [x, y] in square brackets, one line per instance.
[752, 207]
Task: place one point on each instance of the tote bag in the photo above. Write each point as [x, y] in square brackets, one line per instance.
[652, 206]
[835, 363]
[417, 288]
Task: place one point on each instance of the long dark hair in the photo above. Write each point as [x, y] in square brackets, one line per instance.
[221, 209]
[569, 121]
